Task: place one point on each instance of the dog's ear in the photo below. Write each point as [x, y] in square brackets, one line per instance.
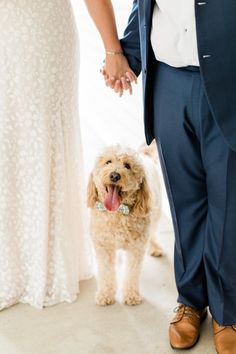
[142, 203]
[91, 192]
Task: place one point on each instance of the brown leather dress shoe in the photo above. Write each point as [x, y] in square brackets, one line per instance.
[224, 338]
[184, 330]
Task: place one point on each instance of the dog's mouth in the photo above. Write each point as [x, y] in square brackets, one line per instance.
[112, 197]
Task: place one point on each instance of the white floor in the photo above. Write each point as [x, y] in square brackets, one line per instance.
[82, 327]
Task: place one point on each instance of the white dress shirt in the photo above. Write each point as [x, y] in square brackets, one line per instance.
[173, 34]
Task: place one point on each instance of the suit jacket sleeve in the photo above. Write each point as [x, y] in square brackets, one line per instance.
[131, 40]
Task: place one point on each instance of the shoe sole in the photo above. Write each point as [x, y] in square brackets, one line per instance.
[203, 319]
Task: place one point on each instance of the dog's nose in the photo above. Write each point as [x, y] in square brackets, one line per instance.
[115, 177]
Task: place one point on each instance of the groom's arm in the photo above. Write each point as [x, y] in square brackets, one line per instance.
[131, 40]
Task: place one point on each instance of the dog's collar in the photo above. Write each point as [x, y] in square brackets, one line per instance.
[123, 208]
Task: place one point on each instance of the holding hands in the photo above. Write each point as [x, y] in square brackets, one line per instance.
[117, 73]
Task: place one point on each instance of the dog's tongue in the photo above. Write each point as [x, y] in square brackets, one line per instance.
[112, 200]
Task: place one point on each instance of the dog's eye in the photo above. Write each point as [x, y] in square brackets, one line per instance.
[127, 166]
[109, 161]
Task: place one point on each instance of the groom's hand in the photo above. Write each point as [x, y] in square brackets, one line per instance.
[117, 73]
[120, 85]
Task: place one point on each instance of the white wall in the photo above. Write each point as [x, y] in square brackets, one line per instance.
[106, 119]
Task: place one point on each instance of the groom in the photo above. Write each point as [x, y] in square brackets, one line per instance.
[186, 51]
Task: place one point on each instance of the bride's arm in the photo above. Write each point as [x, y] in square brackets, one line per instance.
[116, 65]
[103, 16]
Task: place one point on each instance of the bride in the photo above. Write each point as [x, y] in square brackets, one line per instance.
[43, 244]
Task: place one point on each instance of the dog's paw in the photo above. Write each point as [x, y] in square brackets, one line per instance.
[104, 299]
[132, 298]
[155, 251]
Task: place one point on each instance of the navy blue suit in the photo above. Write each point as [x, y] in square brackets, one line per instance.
[192, 115]
[216, 33]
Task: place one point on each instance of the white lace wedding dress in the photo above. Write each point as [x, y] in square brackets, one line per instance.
[43, 245]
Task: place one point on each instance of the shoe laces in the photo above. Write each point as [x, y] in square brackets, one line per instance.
[186, 311]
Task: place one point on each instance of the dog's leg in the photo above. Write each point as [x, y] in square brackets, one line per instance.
[153, 248]
[133, 269]
[106, 276]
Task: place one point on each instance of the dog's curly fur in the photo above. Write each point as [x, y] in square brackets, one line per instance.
[112, 230]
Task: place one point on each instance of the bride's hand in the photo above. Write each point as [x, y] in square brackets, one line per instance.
[117, 73]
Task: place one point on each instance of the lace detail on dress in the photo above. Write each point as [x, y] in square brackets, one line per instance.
[44, 251]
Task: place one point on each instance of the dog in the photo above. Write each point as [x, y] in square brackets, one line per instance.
[125, 205]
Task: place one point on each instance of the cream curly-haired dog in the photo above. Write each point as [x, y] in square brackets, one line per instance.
[125, 210]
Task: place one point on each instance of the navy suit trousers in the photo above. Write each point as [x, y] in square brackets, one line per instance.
[199, 170]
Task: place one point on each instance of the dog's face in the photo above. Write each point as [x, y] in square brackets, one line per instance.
[119, 177]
